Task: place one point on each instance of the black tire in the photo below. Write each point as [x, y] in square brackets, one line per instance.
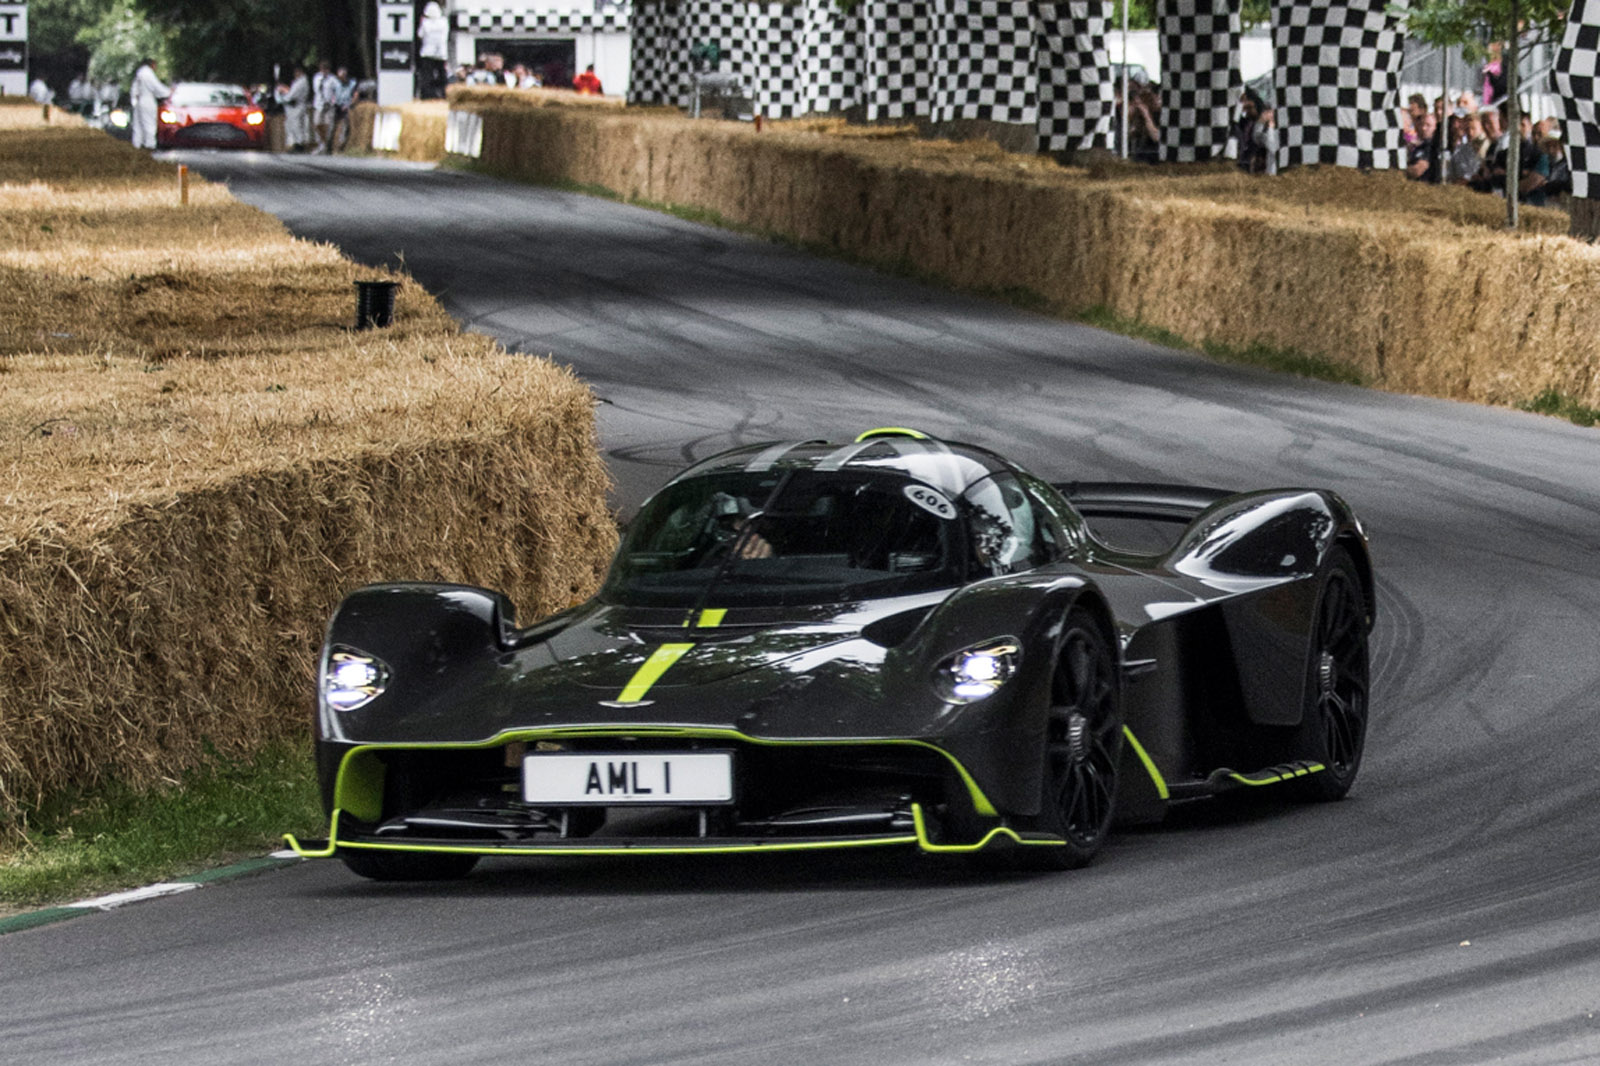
[409, 865]
[1082, 748]
[1333, 729]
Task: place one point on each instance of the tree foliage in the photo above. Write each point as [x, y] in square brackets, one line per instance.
[1472, 24]
[243, 40]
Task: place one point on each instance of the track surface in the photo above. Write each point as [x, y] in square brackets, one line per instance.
[1445, 913]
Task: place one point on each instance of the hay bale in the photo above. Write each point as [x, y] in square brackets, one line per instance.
[201, 459]
[1413, 287]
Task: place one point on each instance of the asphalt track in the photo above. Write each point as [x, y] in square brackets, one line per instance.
[1445, 913]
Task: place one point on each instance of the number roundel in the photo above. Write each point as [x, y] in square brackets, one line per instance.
[931, 500]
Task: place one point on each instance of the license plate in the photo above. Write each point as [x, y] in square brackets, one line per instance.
[646, 778]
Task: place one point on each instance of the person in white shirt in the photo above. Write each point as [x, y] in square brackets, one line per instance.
[41, 93]
[147, 93]
[324, 98]
[433, 50]
[295, 98]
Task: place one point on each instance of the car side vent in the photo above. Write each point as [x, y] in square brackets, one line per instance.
[892, 631]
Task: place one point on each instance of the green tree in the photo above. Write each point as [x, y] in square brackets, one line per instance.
[1472, 24]
[119, 39]
[244, 40]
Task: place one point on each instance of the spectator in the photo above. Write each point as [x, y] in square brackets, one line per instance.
[1416, 107]
[1422, 158]
[346, 89]
[587, 83]
[1241, 138]
[433, 52]
[1493, 128]
[1532, 185]
[105, 96]
[147, 93]
[1466, 157]
[1144, 136]
[526, 79]
[1494, 78]
[1560, 181]
[41, 92]
[1264, 157]
[324, 98]
[1467, 101]
[80, 94]
[1500, 159]
[296, 99]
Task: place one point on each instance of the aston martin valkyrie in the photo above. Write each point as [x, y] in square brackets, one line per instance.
[895, 641]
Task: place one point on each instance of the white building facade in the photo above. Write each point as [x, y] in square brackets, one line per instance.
[555, 39]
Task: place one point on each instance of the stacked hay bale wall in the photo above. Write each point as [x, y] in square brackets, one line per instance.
[1416, 288]
[200, 459]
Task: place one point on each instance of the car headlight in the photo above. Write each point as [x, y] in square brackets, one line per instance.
[353, 678]
[977, 672]
[255, 118]
[119, 119]
[168, 116]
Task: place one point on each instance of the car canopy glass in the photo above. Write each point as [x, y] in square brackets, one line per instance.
[788, 537]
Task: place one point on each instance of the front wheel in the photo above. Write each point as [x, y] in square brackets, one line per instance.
[408, 865]
[1082, 748]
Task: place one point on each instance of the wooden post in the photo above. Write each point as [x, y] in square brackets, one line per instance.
[183, 184]
[1585, 218]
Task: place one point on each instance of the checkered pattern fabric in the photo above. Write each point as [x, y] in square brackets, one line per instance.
[1577, 80]
[654, 55]
[830, 58]
[791, 59]
[1015, 61]
[1337, 81]
[771, 39]
[984, 67]
[535, 23]
[898, 48]
[1200, 77]
[1074, 74]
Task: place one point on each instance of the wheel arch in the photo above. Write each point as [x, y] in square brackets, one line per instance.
[1356, 545]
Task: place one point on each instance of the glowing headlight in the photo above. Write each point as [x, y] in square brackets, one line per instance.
[168, 116]
[979, 671]
[255, 118]
[119, 119]
[353, 679]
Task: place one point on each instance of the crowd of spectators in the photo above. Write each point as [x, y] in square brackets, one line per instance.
[1470, 146]
[491, 69]
[1460, 143]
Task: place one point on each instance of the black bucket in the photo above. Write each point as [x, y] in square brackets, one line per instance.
[375, 304]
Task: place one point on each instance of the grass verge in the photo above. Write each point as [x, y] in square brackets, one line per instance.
[1553, 402]
[79, 844]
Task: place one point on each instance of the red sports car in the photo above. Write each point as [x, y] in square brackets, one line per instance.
[210, 115]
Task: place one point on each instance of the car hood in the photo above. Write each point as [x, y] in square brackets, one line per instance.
[626, 651]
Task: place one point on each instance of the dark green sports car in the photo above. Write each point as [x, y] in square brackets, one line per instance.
[894, 641]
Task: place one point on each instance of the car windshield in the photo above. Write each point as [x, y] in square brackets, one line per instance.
[784, 538]
[209, 96]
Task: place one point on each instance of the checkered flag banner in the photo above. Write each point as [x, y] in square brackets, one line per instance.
[1074, 72]
[1576, 80]
[985, 62]
[898, 44]
[1338, 83]
[1200, 77]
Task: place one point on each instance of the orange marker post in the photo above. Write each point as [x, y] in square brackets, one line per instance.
[183, 184]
